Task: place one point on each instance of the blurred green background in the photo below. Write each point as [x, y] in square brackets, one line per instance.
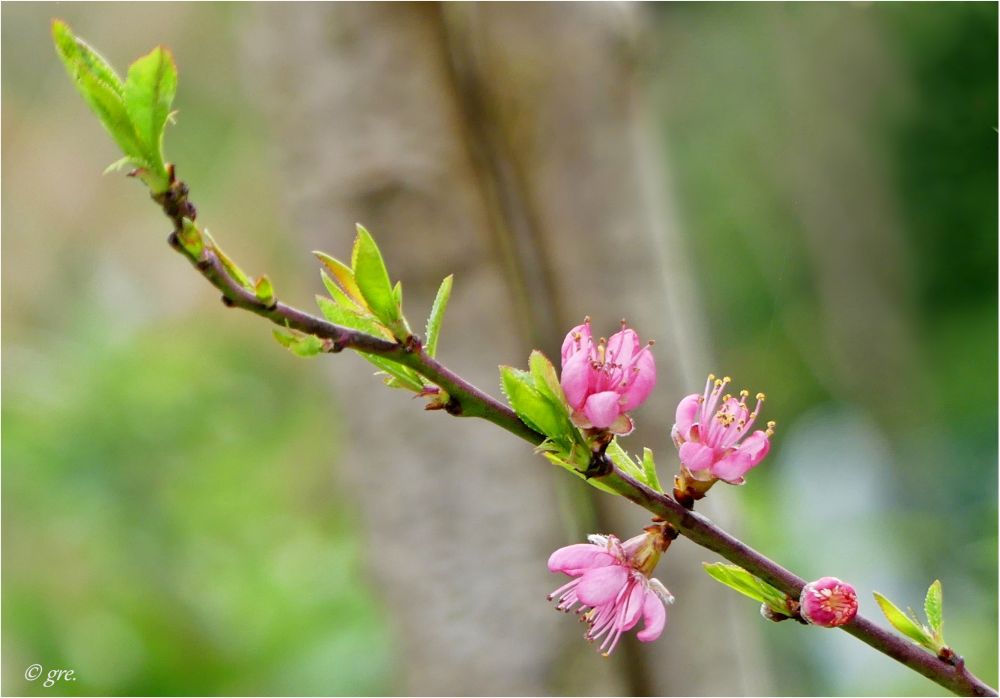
[172, 521]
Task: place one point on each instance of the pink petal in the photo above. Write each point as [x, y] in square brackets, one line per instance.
[576, 559]
[654, 617]
[622, 346]
[575, 379]
[569, 345]
[601, 585]
[756, 446]
[633, 608]
[688, 411]
[732, 468]
[602, 409]
[642, 383]
[696, 456]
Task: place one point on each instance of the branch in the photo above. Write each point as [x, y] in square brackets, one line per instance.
[469, 401]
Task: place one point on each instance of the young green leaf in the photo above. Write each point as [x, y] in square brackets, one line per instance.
[299, 344]
[623, 460]
[437, 315]
[229, 265]
[345, 277]
[901, 622]
[264, 290]
[933, 609]
[649, 470]
[345, 317]
[737, 578]
[150, 87]
[373, 278]
[101, 88]
[530, 405]
[544, 375]
[400, 376]
[560, 459]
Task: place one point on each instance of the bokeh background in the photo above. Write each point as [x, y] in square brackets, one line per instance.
[178, 512]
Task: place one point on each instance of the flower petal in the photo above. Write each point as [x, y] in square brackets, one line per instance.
[622, 346]
[634, 605]
[576, 559]
[570, 345]
[688, 411]
[756, 446]
[696, 456]
[602, 409]
[600, 586]
[575, 379]
[642, 382]
[732, 468]
[654, 617]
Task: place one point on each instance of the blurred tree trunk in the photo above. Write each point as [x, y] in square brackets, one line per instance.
[510, 145]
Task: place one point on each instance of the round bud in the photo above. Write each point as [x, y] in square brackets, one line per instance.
[828, 602]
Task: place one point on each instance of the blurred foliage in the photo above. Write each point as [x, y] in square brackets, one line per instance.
[171, 521]
[765, 105]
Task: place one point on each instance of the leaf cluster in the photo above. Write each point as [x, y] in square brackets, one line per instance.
[133, 111]
[929, 636]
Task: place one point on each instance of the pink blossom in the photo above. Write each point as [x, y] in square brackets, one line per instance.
[605, 380]
[711, 431]
[613, 586]
[828, 602]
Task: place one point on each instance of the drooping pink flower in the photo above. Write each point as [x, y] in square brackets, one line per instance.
[613, 586]
[828, 602]
[605, 380]
[711, 433]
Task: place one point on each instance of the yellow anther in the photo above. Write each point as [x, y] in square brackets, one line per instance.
[651, 342]
[772, 425]
[586, 319]
[744, 393]
[727, 379]
[761, 396]
[726, 398]
[711, 376]
[718, 383]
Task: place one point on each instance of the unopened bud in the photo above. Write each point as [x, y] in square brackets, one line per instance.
[828, 602]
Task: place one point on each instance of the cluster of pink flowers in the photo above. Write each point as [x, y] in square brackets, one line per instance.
[712, 433]
[605, 380]
[613, 586]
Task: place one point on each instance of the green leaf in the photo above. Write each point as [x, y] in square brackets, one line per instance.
[737, 578]
[622, 459]
[933, 609]
[904, 624]
[345, 317]
[264, 290]
[559, 459]
[229, 265]
[373, 279]
[649, 470]
[150, 87]
[338, 295]
[101, 88]
[406, 377]
[191, 240]
[121, 164]
[345, 277]
[544, 375]
[437, 315]
[299, 344]
[530, 405]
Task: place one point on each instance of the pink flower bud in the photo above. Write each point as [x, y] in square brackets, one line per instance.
[605, 380]
[828, 602]
[712, 433]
